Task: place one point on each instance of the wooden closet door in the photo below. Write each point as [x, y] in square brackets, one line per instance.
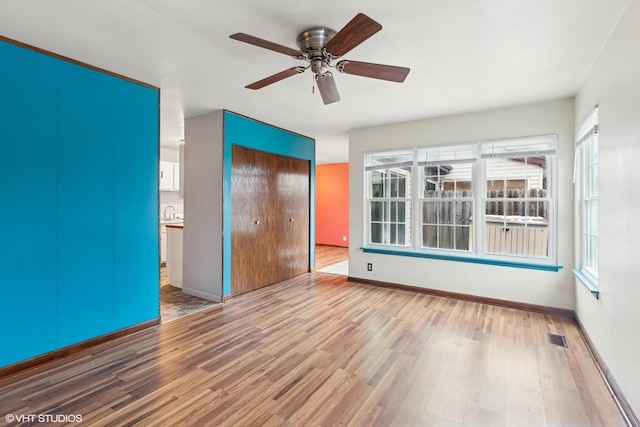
[253, 220]
[292, 195]
[270, 218]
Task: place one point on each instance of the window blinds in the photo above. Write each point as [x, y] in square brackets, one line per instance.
[524, 147]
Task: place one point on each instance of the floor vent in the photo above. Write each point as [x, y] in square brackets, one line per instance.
[556, 339]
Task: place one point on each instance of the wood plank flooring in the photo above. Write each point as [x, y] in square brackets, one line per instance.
[326, 255]
[318, 350]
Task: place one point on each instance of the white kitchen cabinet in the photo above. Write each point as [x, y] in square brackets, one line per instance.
[169, 176]
[166, 176]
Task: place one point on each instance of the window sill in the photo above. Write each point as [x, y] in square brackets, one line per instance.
[587, 282]
[473, 260]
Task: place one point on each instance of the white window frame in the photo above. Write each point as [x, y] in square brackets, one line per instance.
[587, 174]
[545, 145]
[479, 196]
[437, 156]
[408, 197]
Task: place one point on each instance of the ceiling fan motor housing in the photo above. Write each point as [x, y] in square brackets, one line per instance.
[311, 42]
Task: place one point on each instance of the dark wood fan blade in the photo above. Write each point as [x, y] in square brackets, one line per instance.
[355, 32]
[375, 71]
[267, 44]
[275, 78]
[328, 88]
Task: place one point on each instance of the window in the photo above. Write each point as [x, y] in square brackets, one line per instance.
[587, 160]
[517, 197]
[491, 199]
[447, 197]
[389, 199]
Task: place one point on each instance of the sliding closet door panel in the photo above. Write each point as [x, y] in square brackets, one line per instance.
[252, 219]
[266, 164]
[292, 201]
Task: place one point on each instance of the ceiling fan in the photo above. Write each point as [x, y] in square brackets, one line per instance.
[320, 47]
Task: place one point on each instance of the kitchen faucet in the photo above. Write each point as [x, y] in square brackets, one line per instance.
[164, 214]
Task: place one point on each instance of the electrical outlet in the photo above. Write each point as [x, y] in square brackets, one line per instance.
[369, 267]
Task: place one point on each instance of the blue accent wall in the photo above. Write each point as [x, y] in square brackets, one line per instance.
[245, 132]
[79, 248]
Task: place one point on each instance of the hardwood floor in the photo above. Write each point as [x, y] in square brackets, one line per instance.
[318, 350]
[174, 303]
[327, 255]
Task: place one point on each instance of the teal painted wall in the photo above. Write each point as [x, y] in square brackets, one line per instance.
[243, 131]
[79, 250]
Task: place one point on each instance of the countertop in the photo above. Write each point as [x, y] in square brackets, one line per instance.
[172, 221]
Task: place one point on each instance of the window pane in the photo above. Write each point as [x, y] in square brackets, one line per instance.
[377, 211]
[430, 213]
[593, 204]
[494, 237]
[594, 259]
[513, 235]
[445, 237]
[494, 207]
[447, 212]
[376, 184]
[393, 184]
[463, 212]
[445, 187]
[388, 210]
[376, 232]
[429, 236]
[430, 187]
[591, 260]
[590, 203]
[593, 166]
[517, 206]
[462, 238]
[401, 234]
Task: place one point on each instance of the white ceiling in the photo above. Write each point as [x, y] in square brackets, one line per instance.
[464, 55]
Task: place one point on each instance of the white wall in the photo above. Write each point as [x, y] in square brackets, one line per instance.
[202, 240]
[553, 289]
[613, 321]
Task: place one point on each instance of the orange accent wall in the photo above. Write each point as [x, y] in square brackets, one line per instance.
[332, 204]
